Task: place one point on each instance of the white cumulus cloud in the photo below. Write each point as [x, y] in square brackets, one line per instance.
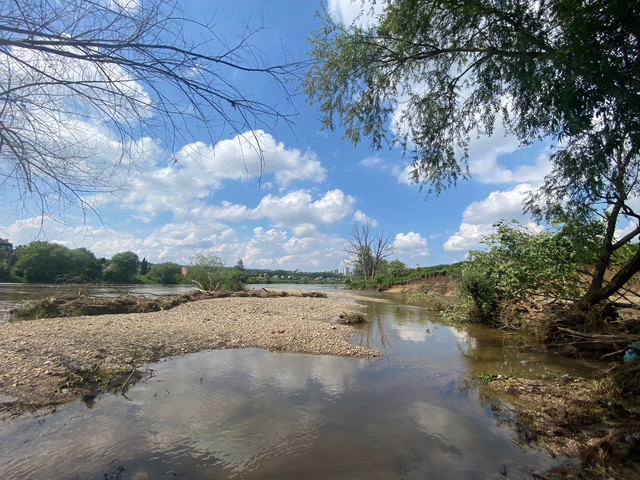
[411, 243]
[479, 217]
[362, 217]
[298, 208]
[200, 169]
[484, 167]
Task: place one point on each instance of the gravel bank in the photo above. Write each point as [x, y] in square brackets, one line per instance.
[36, 355]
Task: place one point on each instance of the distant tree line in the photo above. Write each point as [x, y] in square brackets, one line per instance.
[267, 276]
[46, 262]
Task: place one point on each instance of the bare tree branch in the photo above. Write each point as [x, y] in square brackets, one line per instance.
[365, 250]
[83, 83]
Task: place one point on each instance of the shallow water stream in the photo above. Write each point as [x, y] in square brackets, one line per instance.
[254, 414]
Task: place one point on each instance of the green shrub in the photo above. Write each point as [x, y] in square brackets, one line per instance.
[209, 273]
[519, 264]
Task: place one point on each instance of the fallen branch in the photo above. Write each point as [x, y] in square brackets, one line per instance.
[592, 336]
[124, 385]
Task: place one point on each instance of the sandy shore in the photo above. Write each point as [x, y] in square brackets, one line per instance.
[36, 355]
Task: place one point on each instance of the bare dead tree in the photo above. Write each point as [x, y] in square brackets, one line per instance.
[365, 250]
[88, 86]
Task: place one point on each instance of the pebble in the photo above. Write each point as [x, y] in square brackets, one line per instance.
[120, 341]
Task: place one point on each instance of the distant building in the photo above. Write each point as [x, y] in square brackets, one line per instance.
[347, 271]
[6, 247]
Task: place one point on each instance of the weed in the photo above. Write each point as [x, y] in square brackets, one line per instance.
[490, 377]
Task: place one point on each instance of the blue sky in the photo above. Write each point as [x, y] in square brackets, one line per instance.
[314, 187]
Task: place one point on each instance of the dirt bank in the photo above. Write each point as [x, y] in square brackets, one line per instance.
[41, 359]
[576, 418]
[437, 291]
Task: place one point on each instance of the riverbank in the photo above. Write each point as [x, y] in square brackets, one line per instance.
[594, 423]
[577, 418]
[42, 358]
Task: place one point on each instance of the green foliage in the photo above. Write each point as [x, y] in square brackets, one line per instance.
[144, 266]
[122, 268]
[84, 266]
[388, 280]
[622, 255]
[445, 71]
[5, 271]
[363, 264]
[209, 273]
[412, 296]
[564, 66]
[288, 276]
[518, 264]
[166, 273]
[397, 269]
[41, 262]
[45, 262]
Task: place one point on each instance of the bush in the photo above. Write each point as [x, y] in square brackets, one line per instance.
[209, 273]
[519, 264]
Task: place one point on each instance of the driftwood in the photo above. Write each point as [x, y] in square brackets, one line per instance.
[81, 305]
[616, 344]
[592, 336]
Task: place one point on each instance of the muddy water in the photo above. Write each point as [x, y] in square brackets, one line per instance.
[254, 414]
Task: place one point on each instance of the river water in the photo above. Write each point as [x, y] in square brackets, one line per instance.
[14, 295]
[255, 414]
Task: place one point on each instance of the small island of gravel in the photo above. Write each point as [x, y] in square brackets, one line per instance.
[38, 355]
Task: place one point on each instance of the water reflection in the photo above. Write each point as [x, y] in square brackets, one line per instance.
[254, 414]
[257, 415]
[413, 334]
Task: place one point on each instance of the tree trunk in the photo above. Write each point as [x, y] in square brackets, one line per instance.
[598, 293]
[607, 249]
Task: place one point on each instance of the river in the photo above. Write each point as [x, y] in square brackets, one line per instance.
[255, 414]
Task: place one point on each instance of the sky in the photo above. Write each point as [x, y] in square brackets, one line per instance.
[314, 187]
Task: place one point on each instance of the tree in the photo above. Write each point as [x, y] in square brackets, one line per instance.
[428, 75]
[365, 250]
[5, 271]
[45, 262]
[87, 85]
[122, 268]
[397, 268]
[84, 266]
[41, 262]
[144, 266]
[166, 273]
[209, 273]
